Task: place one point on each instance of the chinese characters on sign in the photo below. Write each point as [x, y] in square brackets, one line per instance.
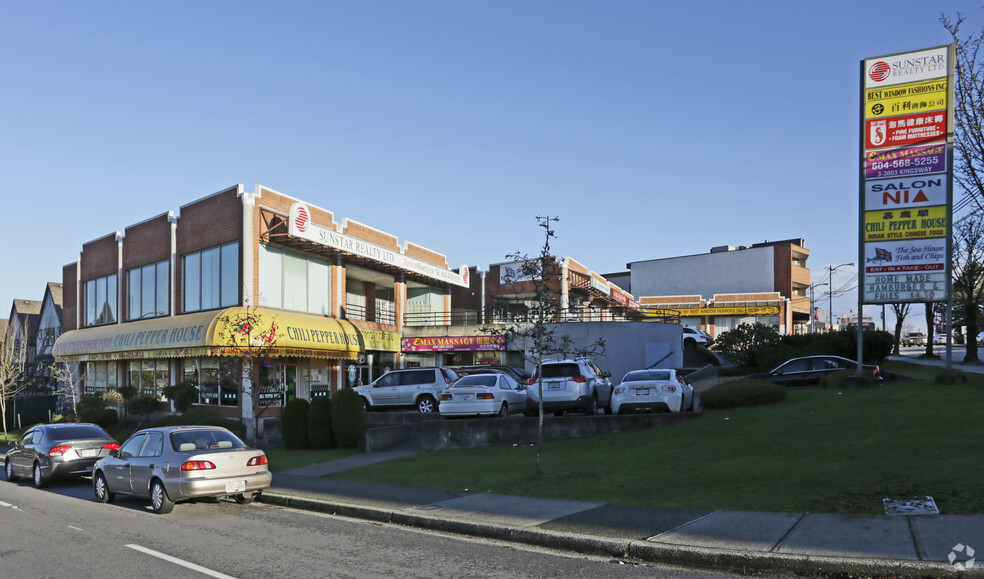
[906, 159]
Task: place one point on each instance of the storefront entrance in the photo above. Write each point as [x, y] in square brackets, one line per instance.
[278, 383]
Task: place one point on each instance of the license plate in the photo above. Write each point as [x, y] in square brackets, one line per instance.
[465, 397]
[553, 386]
[236, 486]
[642, 392]
[87, 452]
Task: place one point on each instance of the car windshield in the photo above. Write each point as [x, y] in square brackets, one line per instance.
[190, 440]
[476, 380]
[640, 375]
[76, 431]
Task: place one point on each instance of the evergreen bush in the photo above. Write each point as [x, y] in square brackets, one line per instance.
[742, 392]
[347, 419]
[142, 405]
[294, 423]
[182, 394]
[319, 423]
[93, 409]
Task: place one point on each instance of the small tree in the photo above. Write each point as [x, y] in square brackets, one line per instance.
[901, 311]
[538, 334]
[968, 278]
[69, 380]
[744, 345]
[12, 365]
[249, 336]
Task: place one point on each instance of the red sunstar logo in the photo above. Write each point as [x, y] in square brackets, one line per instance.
[879, 71]
[301, 219]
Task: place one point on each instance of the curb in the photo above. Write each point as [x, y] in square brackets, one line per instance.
[635, 549]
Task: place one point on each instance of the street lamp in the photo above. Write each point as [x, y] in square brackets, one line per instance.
[813, 317]
[830, 280]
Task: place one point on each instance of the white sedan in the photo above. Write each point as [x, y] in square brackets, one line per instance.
[652, 391]
[483, 394]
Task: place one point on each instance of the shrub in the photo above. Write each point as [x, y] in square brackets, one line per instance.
[142, 404]
[182, 394]
[743, 392]
[319, 423]
[294, 423]
[93, 409]
[347, 419]
[744, 345]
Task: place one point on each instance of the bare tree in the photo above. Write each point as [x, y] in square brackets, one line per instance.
[968, 278]
[901, 311]
[69, 380]
[249, 336]
[538, 335]
[12, 366]
[968, 138]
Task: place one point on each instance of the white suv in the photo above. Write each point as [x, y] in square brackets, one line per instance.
[570, 385]
[418, 388]
[694, 337]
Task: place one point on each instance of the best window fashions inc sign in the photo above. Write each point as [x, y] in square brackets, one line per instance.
[906, 178]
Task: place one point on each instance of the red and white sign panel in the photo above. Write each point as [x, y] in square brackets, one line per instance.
[907, 130]
[906, 67]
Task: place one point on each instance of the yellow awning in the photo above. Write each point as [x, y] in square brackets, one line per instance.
[238, 332]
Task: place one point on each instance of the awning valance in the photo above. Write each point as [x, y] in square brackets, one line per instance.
[238, 331]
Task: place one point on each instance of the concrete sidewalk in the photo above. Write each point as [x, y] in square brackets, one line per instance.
[785, 543]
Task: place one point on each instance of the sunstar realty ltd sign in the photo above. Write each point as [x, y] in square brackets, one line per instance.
[301, 226]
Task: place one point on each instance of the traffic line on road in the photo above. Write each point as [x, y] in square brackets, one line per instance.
[185, 564]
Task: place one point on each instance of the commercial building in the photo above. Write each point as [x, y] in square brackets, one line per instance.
[254, 293]
[766, 282]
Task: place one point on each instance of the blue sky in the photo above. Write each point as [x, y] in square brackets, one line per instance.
[651, 129]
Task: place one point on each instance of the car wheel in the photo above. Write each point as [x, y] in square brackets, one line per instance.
[689, 342]
[246, 498]
[426, 404]
[365, 406]
[8, 467]
[683, 402]
[159, 500]
[37, 477]
[101, 488]
[558, 412]
[503, 411]
[592, 408]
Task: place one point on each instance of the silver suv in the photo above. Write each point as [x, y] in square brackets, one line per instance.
[578, 385]
[418, 388]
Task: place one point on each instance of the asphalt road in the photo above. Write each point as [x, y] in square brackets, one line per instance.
[62, 531]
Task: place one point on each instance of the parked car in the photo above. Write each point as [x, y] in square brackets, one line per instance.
[810, 369]
[49, 451]
[652, 391]
[177, 463]
[695, 337]
[516, 373]
[939, 339]
[493, 394]
[571, 385]
[914, 339]
[417, 388]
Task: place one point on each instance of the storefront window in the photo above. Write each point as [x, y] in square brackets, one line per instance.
[149, 377]
[217, 380]
[100, 377]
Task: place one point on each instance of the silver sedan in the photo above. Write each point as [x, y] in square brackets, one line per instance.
[483, 394]
[178, 463]
[50, 451]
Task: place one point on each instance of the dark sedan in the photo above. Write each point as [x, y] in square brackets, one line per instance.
[808, 371]
[49, 451]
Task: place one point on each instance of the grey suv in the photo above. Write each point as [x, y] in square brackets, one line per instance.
[578, 385]
[418, 388]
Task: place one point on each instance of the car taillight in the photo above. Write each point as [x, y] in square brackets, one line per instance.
[580, 379]
[197, 465]
[619, 389]
[669, 388]
[59, 450]
[445, 397]
[257, 461]
[485, 396]
[111, 446]
[530, 381]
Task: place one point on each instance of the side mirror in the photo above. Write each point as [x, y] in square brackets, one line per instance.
[114, 452]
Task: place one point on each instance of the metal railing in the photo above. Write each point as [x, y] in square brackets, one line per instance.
[358, 312]
[505, 316]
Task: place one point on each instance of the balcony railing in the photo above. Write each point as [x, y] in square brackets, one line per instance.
[358, 312]
[508, 316]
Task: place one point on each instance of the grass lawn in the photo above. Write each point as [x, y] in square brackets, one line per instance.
[819, 451]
